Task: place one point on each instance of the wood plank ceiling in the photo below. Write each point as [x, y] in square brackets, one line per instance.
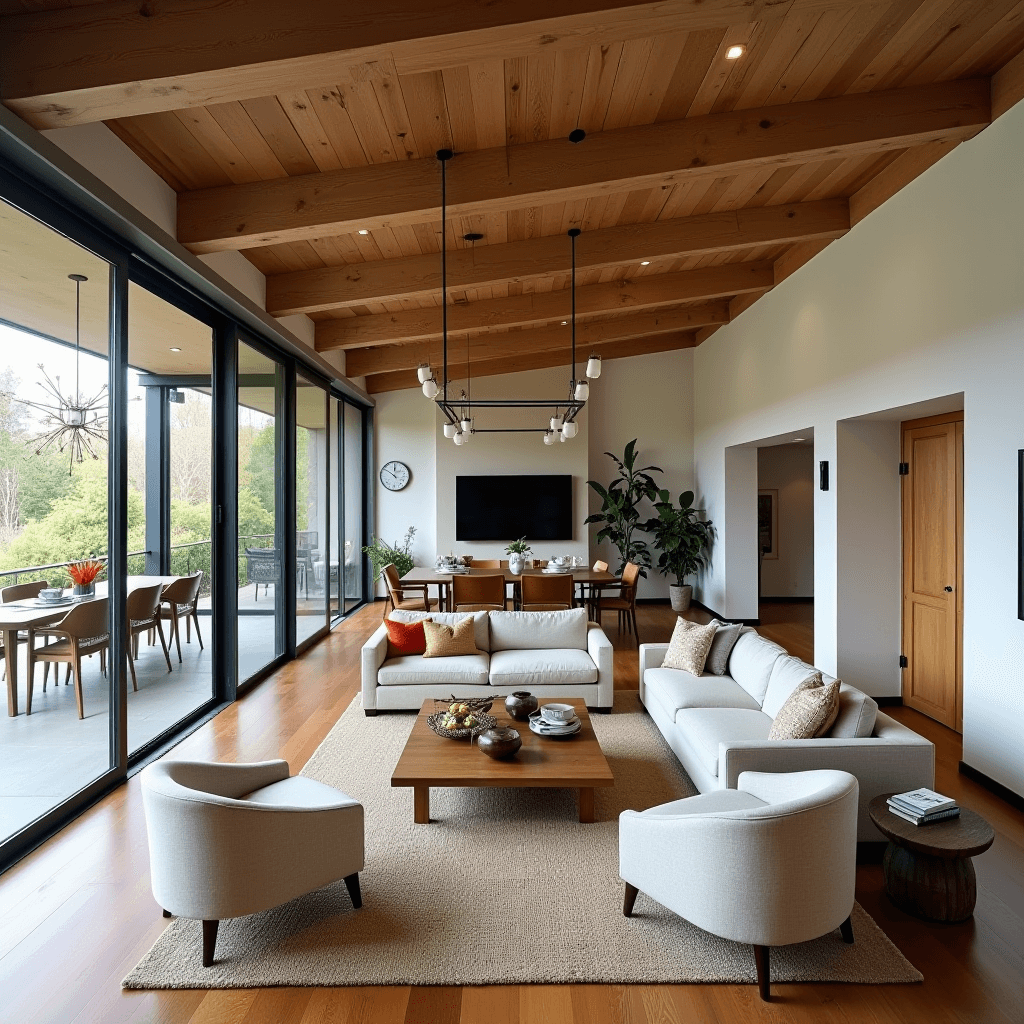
[703, 180]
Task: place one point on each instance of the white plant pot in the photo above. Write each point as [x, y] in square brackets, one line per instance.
[680, 598]
[516, 564]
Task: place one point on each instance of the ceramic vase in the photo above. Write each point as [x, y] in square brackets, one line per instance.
[500, 743]
[85, 590]
[520, 705]
[515, 563]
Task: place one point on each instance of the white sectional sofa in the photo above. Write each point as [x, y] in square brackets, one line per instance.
[551, 654]
[718, 726]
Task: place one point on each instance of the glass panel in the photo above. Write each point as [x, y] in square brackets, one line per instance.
[170, 459]
[353, 506]
[54, 375]
[260, 599]
[311, 565]
[338, 514]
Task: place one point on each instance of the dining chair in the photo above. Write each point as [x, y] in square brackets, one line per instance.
[24, 592]
[142, 613]
[478, 593]
[397, 591]
[182, 598]
[487, 563]
[589, 592]
[84, 630]
[624, 603]
[546, 593]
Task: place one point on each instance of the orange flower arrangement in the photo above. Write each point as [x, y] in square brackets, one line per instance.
[85, 572]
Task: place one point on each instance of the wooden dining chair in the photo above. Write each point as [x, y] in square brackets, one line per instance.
[182, 598]
[24, 592]
[142, 613]
[84, 630]
[478, 593]
[397, 591]
[487, 563]
[589, 592]
[624, 603]
[546, 593]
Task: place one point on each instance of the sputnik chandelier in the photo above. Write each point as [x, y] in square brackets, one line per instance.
[72, 422]
[458, 413]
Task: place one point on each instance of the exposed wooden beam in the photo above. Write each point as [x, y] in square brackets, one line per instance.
[1008, 86]
[402, 379]
[310, 291]
[646, 156]
[705, 332]
[366, 361]
[795, 257]
[647, 292]
[60, 67]
[902, 171]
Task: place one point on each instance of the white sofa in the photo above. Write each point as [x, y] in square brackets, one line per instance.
[552, 654]
[718, 726]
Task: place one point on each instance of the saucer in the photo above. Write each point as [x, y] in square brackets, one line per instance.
[543, 729]
[556, 569]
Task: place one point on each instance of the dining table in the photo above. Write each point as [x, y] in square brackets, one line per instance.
[596, 579]
[30, 614]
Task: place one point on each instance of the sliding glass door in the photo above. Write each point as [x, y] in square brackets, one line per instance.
[312, 518]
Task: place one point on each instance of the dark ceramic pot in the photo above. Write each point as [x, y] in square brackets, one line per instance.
[500, 743]
[520, 705]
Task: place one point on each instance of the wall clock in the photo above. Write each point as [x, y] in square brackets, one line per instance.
[394, 475]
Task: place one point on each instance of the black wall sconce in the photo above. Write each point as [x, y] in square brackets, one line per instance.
[823, 475]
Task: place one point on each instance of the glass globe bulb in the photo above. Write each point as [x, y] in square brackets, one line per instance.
[465, 435]
[569, 429]
[429, 388]
[549, 437]
[450, 430]
[594, 367]
[459, 438]
[582, 391]
[556, 422]
[423, 372]
[561, 436]
[467, 425]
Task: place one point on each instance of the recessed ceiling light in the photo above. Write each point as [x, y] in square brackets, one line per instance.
[799, 438]
[735, 52]
[645, 263]
[363, 231]
[564, 322]
[173, 349]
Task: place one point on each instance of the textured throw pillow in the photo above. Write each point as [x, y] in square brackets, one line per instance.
[721, 647]
[809, 711]
[449, 641]
[405, 637]
[689, 646]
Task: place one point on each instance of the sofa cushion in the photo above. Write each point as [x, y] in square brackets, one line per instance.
[751, 661]
[857, 713]
[542, 668]
[537, 631]
[480, 630]
[470, 669]
[808, 711]
[787, 674]
[455, 641]
[672, 689]
[688, 648]
[704, 728]
[405, 637]
[721, 647]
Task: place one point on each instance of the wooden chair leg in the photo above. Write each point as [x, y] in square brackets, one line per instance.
[352, 884]
[46, 674]
[78, 684]
[167, 913]
[29, 681]
[846, 930]
[188, 630]
[629, 900]
[199, 637]
[131, 667]
[636, 633]
[209, 941]
[176, 630]
[67, 675]
[762, 961]
[163, 644]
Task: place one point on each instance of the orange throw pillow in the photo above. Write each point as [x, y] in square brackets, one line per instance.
[405, 638]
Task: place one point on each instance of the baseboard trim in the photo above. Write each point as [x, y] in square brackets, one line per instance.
[652, 600]
[777, 599]
[997, 788]
[888, 702]
[722, 618]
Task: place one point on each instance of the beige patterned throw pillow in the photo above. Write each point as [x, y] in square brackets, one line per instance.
[689, 646]
[449, 641]
[809, 711]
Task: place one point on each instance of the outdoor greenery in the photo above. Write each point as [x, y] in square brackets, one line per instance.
[397, 554]
[680, 537]
[620, 509]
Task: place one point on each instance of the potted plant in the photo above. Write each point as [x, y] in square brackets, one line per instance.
[682, 539]
[517, 552]
[83, 576]
[620, 512]
[396, 554]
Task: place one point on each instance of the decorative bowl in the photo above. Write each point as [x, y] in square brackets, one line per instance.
[520, 705]
[501, 743]
[481, 721]
[558, 714]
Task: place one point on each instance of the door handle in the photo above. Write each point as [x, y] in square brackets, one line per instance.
[949, 590]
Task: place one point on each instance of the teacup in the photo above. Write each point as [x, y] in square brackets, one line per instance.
[51, 594]
[558, 714]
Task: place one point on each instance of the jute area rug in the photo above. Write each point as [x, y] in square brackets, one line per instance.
[504, 887]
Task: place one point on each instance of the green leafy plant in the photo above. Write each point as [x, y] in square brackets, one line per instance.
[518, 547]
[680, 536]
[620, 512]
[382, 554]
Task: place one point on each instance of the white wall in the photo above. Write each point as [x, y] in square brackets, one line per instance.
[789, 469]
[650, 398]
[923, 298]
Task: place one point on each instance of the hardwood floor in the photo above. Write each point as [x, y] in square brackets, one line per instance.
[78, 913]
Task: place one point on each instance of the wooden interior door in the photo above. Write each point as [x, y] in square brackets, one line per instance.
[933, 567]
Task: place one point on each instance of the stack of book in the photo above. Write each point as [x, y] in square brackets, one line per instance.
[923, 806]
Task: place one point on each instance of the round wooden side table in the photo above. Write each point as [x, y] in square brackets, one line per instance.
[928, 870]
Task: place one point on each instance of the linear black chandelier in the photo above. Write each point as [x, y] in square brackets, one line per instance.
[458, 413]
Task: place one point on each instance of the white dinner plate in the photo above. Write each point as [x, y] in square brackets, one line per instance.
[543, 729]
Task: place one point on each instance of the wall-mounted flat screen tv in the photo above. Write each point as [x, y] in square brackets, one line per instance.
[507, 507]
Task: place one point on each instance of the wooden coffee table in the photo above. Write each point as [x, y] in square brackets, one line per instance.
[928, 870]
[576, 762]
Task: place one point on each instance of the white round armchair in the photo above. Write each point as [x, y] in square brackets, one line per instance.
[770, 863]
[226, 840]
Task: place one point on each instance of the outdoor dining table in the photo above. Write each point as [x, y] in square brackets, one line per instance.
[420, 575]
[29, 616]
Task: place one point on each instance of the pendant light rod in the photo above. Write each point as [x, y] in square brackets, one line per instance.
[444, 155]
[78, 279]
[574, 233]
